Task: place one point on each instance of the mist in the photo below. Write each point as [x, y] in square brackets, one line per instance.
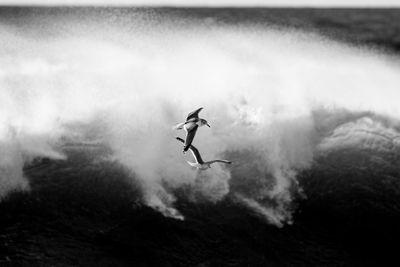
[274, 98]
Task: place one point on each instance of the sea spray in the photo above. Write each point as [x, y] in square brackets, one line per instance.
[267, 94]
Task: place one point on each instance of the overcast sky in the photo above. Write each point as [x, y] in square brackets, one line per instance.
[323, 3]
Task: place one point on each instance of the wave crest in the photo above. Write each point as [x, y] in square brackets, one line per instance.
[275, 101]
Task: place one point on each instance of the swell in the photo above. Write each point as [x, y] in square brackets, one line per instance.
[277, 101]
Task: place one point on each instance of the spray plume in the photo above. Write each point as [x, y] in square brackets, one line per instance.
[274, 98]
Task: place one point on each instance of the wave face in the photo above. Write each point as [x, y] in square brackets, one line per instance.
[277, 101]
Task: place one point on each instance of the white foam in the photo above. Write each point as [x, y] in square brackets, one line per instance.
[259, 89]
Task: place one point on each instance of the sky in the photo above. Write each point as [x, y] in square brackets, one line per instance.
[316, 3]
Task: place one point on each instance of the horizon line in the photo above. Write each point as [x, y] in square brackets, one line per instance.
[210, 3]
[195, 6]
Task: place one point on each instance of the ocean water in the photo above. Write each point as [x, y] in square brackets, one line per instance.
[303, 101]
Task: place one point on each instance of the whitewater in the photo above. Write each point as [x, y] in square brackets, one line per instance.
[275, 98]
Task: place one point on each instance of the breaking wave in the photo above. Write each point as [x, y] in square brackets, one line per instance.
[275, 100]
